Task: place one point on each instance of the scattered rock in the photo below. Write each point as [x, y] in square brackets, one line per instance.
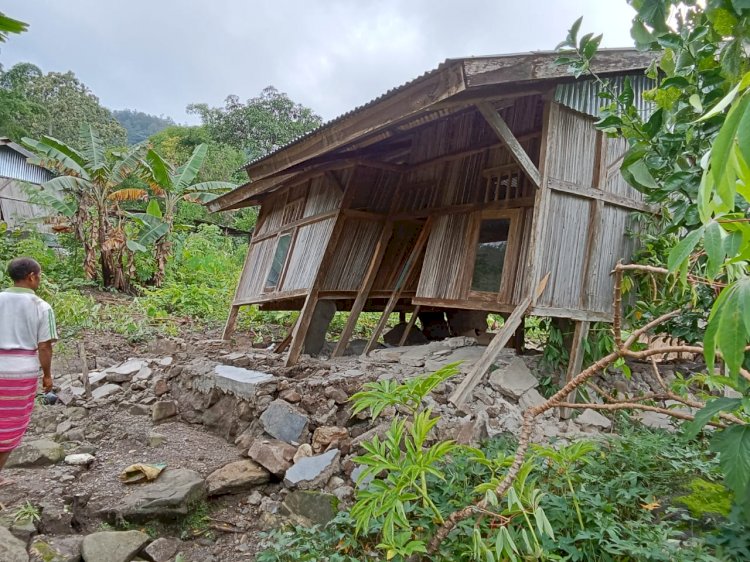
[338, 395]
[171, 496]
[290, 395]
[356, 474]
[161, 387]
[284, 421]
[514, 380]
[113, 546]
[162, 549]
[310, 508]
[55, 518]
[105, 391]
[530, 399]
[164, 409]
[592, 418]
[11, 548]
[312, 472]
[325, 436]
[273, 455]
[143, 375]
[156, 439]
[656, 420]
[80, 459]
[65, 548]
[139, 410]
[243, 383]
[41, 452]
[236, 477]
[304, 451]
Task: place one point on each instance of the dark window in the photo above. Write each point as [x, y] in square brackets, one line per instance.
[279, 258]
[490, 256]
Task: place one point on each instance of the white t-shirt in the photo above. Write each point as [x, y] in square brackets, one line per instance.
[25, 319]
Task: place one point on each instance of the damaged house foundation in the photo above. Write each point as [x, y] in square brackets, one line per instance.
[482, 186]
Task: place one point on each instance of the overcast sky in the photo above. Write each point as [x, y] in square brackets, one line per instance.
[158, 56]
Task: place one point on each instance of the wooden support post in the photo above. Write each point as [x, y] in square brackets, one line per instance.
[364, 289]
[401, 282]
[306, 314]
[84, 372]
[575, 363]
[409, 326]
[520, 337]
[283, 344]
[502, 130]
[464, 390]
[231, 322]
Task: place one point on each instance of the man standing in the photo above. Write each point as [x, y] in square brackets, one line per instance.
[27, 331]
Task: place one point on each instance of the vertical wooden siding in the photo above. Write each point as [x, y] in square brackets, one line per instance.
[353, 254]
[306, 253]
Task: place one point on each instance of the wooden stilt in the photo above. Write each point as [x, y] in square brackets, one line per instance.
[576, 360]
[85, 372]
[364, 289]
[409, 326]
[231, 322]
[283, 344]
[306, 314]
[520, 337]
[464, 390]
[400, 284]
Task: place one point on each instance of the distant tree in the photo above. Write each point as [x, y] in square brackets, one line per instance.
[67, 104]
[140, 125]
[258, 126]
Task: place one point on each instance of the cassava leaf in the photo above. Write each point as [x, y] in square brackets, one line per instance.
[684, 248]
[705, 414]
[733, 446]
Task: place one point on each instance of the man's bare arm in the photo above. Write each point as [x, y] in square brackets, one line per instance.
[45, 359]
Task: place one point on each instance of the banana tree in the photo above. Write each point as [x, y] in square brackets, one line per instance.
[172, 186]
[90, 184]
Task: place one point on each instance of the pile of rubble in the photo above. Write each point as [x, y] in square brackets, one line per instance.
[290, 438]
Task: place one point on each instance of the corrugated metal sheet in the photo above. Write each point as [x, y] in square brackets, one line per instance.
[583, 95]
[13, 165]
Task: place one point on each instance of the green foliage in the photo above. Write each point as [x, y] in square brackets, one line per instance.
[260, 125]
[55, 104]
[9, 25]
[707, 498]
[140, 126]
[27, 512]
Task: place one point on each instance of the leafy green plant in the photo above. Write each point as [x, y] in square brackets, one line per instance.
[27, 512]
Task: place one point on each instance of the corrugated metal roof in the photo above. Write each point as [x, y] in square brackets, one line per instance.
[583, 95]
[13, 165]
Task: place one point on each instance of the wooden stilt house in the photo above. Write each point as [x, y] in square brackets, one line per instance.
[459, 190]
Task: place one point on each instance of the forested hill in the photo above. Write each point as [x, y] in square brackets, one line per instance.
[140, 125]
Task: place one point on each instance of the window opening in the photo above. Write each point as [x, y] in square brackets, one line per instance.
[491, 249]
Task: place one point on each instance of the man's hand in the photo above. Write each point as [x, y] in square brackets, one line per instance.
[47, 383]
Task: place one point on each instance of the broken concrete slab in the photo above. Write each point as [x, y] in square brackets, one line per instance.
[273, 455]
[105, 391]
[514, 379]
[592, 418]
[312, 472]
[466, 355]
[243, 383]
[236, 477]
[284, 421]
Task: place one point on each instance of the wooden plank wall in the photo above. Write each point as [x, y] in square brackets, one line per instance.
[353, 254]
[584, 234]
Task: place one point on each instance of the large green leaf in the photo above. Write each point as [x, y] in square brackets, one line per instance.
[93, 149]
[49, 197]
[126, 164]
[52, 149]
[683, 249]
[152, 228]
[733, 446]
[160, 170]
[705, 414]
[153, 209]
[186, 173]
[217, 187]
[721, 151]
[713, 243]
[729, 325]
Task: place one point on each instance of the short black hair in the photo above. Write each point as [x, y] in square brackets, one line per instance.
[21, 268]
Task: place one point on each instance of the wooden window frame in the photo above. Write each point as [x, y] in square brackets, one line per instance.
[512, 251]
[282, 274]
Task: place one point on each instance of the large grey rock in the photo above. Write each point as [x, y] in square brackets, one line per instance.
[65, 548]
[308, 508]
[96, 379]
[273, 455]
[312, 472]
[105, 391]
[236, 477]
[394, 335]
[513, 380]
[55, 518]
[592, 418]
[125, 371]
[243, 383]
[530, 399]
[164, 409]
[113, 546]
[284, 421]
[315, 338]
[41, 452]
[170, 496]
[162, 550]
[656, 420]
[11, 548]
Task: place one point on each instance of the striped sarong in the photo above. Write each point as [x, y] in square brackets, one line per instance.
[19, 376]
